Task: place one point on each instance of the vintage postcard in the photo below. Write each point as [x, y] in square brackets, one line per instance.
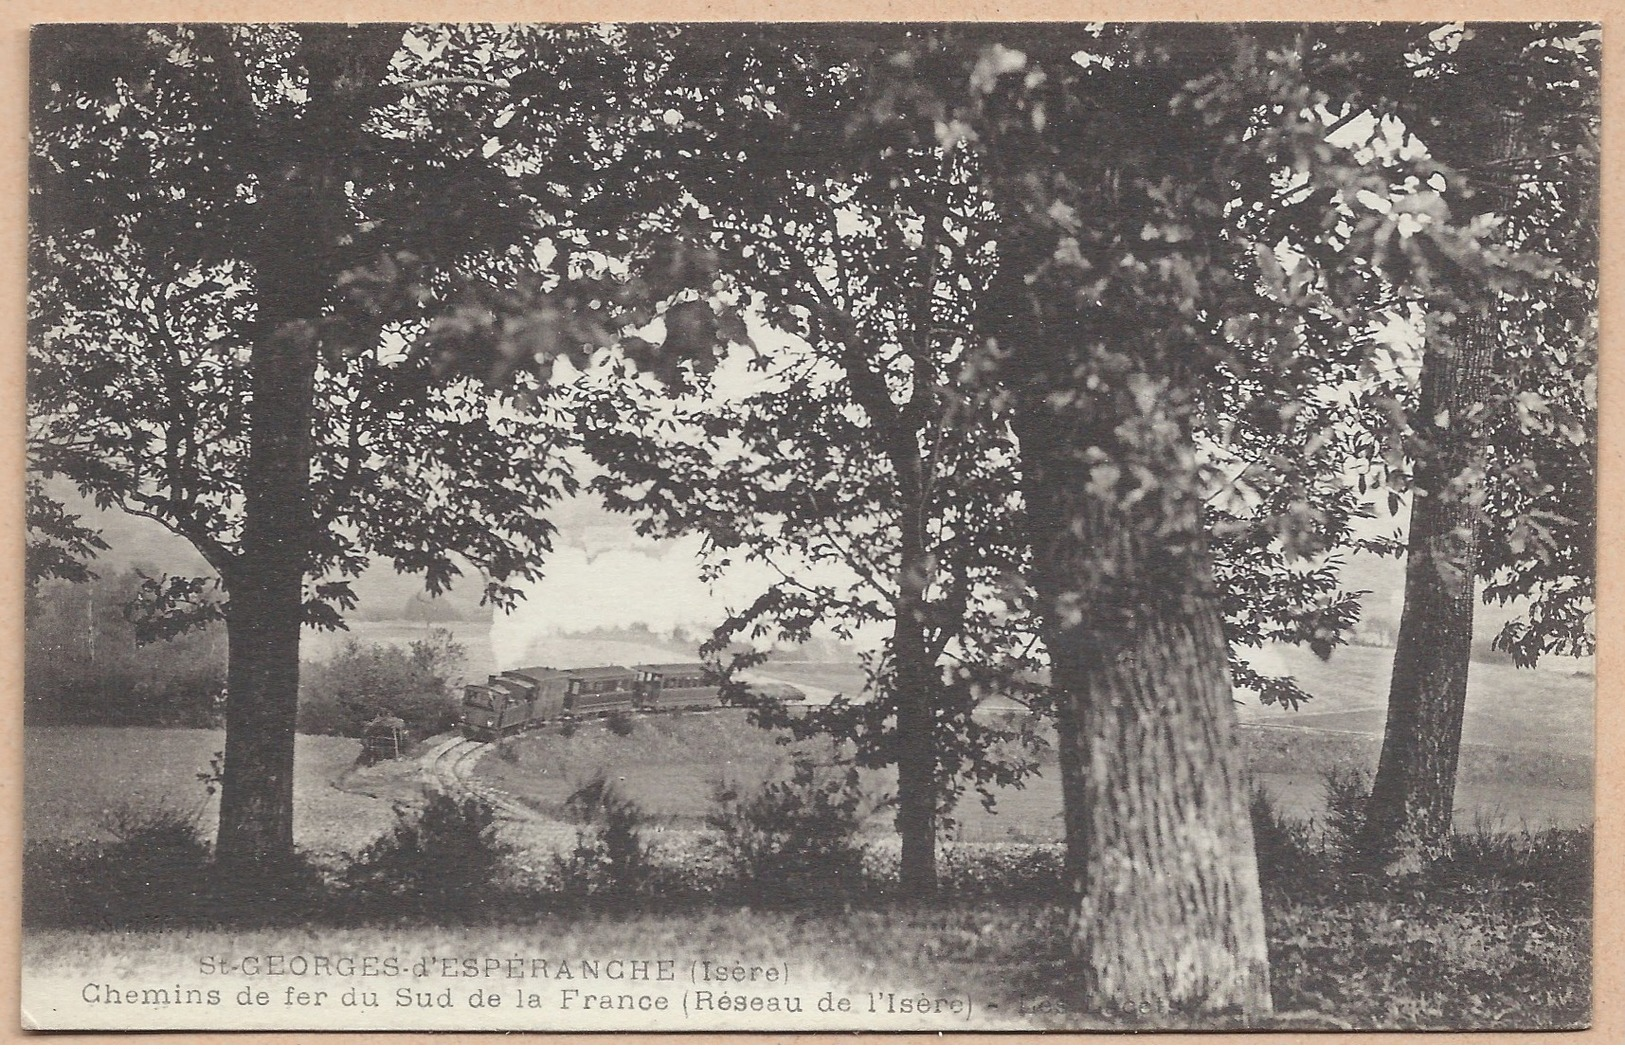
[795, 527]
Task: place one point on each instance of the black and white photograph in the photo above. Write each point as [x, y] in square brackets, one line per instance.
[741, 527]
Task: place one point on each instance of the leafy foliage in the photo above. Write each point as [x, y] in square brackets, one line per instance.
[794, 840]
[443, 857]
[610, 861]
[58, 545]
[1534, 488]
[363, 682]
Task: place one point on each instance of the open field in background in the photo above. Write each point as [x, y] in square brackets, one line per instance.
[1527, 737]
[1526, 763]
[1547, 708]
[74, 776]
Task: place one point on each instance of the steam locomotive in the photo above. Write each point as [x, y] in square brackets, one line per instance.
[516, 700]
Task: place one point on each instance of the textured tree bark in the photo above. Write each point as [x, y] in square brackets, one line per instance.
[1408, 819]
[267, 593]
[304, 211]
[1170, 918]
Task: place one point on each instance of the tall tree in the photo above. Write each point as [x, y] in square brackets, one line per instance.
[862, 451]
[874, 249]
[238, 233]
[1172, 216]
[1511, 111]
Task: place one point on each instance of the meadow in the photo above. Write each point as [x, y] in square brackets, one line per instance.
[1526, 761]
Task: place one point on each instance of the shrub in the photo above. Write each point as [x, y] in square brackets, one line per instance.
[620, 722]
[1556, 864]
[362, 682]
[610, 860]
[1282, 844]
[158, 863]
[155, 871]
[443, 857]
[1348, 790]
[795, 839]
[1021, 871]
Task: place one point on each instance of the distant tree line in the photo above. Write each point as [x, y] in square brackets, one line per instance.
[83, 663]
[86, 664]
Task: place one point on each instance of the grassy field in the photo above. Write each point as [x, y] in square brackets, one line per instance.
[74, 777]
[1526, 756]
[1486, 943]
[1526, 762]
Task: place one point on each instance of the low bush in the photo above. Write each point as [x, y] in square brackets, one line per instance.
[1348, 791]
[444, 857]
[610, 862]
[158, 870]
[794, 840]
[1279, 841]
[158, 865]
[1555, 864]
[1018, 871]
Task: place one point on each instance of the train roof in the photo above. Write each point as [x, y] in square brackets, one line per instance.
[537, 674]
[598, 673]
[673, 668]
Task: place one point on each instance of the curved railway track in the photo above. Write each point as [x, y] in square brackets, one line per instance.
[448, 765]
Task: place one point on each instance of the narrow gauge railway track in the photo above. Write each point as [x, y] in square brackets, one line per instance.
[449, 764]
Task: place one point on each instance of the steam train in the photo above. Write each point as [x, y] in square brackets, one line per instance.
[516, 700]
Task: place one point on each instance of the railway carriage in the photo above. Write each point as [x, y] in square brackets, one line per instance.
[675, 686]
[516, 700]
[600, 690]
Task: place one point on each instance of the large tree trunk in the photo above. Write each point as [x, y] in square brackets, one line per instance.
[296, 259]
[267, 597]
[1412, 799]
[915, 682]
[1408, 819]
[1170, 920]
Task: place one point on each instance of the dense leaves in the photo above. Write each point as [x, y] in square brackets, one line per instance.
[144, 313]
[359, 683]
